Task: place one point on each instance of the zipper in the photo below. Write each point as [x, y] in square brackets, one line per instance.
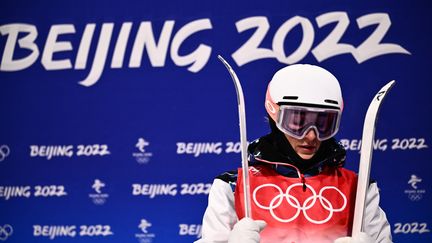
[303, 180]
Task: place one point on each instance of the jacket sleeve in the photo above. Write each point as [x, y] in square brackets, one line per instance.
[220, 215]
[375, 222]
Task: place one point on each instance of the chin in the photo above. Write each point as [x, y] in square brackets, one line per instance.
[306, 156]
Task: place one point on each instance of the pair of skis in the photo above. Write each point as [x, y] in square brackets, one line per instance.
[365, 157]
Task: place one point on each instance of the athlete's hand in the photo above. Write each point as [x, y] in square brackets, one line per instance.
[361, 238]
[246, 231]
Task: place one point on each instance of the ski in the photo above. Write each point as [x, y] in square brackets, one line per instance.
[243, 138]
[366, 150]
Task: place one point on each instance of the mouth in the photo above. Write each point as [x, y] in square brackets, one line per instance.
[307, 149]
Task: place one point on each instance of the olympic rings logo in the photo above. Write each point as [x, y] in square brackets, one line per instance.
[294, 202]
[415, 196]
[4, 152]
[5, 231]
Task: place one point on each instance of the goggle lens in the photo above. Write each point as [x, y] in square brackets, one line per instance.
[296, 121]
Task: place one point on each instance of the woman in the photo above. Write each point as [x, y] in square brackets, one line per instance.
[300, 191]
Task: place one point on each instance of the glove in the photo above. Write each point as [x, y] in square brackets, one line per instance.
[246, 231]
[361, 238]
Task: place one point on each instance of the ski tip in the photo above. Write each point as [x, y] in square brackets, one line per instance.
[221, 59]
[383, 91]
[391, 83]
[224, 62]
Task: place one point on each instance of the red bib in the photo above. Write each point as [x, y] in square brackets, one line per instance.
[318, 210]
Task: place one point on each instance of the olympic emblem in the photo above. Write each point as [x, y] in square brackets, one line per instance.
[294, 202]
[4, 152]
[415, 196]
[5, 231]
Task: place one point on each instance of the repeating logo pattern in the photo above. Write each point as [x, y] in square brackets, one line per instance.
[142, 157]
[145, 236]
[144, 225]
[415, 193]
[99, 197]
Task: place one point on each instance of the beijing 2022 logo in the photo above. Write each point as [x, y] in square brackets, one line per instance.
[415, 193]
[99, 197]
[145, 236]
[143, 156]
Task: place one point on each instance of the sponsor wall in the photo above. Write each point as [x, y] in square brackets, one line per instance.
[116, 116]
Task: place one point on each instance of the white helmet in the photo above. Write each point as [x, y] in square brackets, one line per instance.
[301, 97]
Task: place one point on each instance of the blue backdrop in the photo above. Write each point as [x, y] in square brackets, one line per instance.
[116, 116]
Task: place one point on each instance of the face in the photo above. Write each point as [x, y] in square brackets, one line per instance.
[306, 147]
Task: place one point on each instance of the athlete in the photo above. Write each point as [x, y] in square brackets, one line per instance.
[299, 190]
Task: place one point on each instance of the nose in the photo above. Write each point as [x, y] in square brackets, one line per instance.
[310, 135]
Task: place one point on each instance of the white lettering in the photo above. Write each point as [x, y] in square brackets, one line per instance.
[372, 47]
[24, 35]
[330, 46]
[100, 56]
[199, 148]
[355, 144]
[153, 190]
[84, 47]
[156, 52]
[8, 192]
[27, 42]
[190, 229]
[51, 151]
[53, 231]
[305, 45]
[120, 48]
[250, 50]
[200, 56]
[52, 46]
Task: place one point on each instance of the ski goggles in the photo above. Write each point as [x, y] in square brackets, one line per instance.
[297, 121]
